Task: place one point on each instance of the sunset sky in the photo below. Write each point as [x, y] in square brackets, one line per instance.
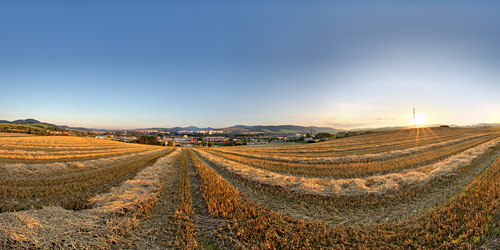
[342, 64]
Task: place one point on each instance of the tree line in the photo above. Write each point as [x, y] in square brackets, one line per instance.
[149, 139]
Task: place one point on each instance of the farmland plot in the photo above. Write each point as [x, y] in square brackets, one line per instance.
[408, 189]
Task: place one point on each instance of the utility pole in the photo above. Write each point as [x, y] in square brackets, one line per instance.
[414, 121]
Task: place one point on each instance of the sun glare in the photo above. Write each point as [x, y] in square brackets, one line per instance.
[420, 119]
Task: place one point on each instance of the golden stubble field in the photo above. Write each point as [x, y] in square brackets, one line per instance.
[426, 188]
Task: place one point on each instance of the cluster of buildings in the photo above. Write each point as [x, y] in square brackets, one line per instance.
[200, 132]
[193, 141]
[190, 138]
[190, 141]
[150, 131]
[184, 140]
[127, 139]
[56, 132]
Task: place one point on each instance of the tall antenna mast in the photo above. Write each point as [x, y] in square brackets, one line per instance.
[414, 122]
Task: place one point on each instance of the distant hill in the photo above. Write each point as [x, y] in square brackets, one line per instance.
[28, 126]
[82, 129]
[30, 123]
[485, 125]
[281, 129]
[482, 125]
[24, 124]
[175, 129]
[36, 123]
[25, 121]
[259, 129]
[236, 129]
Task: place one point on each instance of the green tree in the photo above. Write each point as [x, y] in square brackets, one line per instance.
[324, 136]
[203, 143]
[170, 143]
[149, 139]
[210, 143]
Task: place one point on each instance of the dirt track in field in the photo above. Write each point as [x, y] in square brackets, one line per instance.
[205, 226]
[157, 230]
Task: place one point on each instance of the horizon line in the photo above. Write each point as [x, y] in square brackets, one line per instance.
[211, 127]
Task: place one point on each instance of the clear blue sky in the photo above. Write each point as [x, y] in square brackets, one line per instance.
[128, 64]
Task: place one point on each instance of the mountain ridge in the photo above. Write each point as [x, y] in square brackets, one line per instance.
[251, 129]
[242, 129]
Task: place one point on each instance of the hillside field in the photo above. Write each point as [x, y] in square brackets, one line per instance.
[421, 188]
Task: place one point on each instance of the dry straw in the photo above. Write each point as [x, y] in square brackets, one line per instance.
[353, 186]
[348, 158]
[113, 215]
[39, 168]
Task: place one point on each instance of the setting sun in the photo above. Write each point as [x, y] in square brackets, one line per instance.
[420, 119]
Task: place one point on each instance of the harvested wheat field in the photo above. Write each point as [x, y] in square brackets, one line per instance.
[425, 188]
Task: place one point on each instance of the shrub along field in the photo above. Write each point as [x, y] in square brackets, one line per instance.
[425, 188]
